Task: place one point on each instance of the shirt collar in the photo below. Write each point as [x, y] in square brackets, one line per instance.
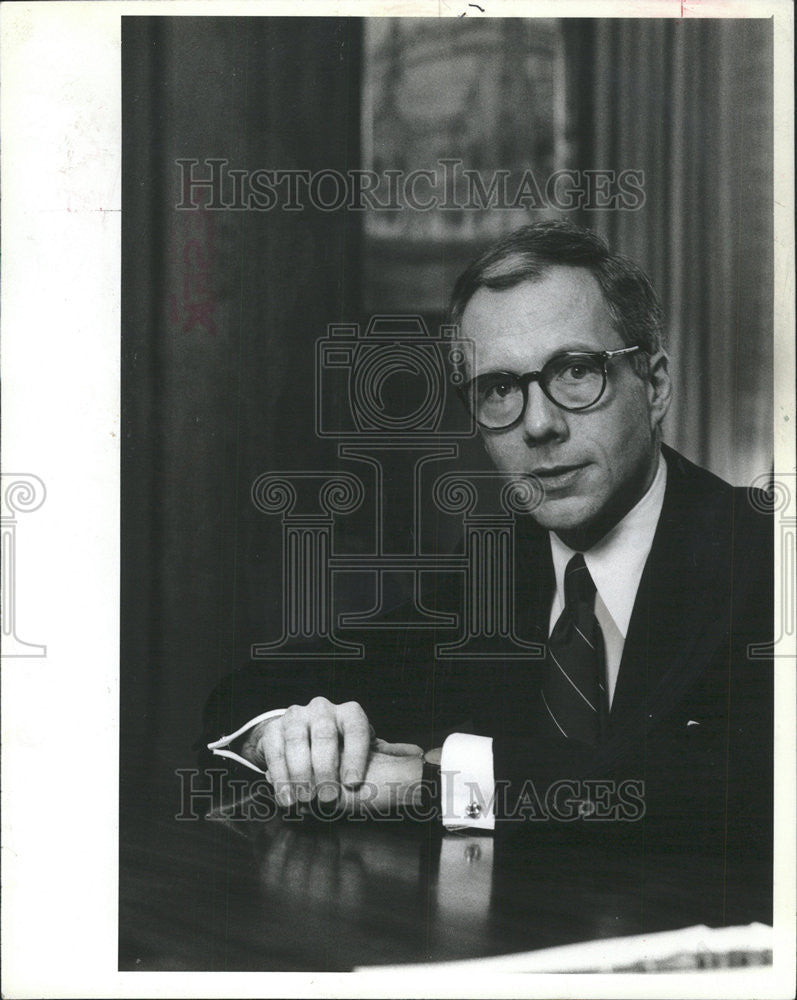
[616, 562]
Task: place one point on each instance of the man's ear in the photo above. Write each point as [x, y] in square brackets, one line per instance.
[659, 387]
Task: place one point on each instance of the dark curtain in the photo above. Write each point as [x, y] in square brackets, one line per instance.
[220, 311]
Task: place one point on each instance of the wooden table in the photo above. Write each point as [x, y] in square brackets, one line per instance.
[278, 894]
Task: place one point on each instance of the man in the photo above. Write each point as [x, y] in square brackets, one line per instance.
[646, 579]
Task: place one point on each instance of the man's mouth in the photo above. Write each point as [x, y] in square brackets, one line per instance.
[556, 477]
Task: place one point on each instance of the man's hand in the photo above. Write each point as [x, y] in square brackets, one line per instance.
[392, 779]
[319, 744]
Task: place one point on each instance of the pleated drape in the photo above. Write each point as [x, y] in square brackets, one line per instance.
[689, 102]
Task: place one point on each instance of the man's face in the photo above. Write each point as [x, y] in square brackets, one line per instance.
[595, 464]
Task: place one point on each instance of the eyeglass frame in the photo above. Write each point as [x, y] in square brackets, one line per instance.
[525, 380]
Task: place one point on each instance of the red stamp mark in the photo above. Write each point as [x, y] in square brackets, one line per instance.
[194, 306]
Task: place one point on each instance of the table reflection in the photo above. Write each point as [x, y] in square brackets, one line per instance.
[255, 888]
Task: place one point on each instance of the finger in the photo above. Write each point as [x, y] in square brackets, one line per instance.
[325, 751]
[296, 735]
[272, 746]
[353, 724]
[397, 749]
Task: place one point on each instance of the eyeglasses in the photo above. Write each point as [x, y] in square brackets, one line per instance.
[573, 381]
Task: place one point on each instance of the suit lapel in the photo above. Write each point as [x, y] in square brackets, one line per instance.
[679, 606]
[534, 579]
[680, 615]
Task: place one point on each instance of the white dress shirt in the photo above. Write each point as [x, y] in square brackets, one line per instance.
[615, 564]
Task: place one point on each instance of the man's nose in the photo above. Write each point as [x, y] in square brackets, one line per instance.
[543, 419]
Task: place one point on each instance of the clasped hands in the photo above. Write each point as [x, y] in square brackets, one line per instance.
[329, 752]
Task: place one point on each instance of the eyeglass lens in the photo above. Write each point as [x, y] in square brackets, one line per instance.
[572, 381]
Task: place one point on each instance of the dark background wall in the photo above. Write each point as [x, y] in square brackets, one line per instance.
[221, 310]
[218, 312]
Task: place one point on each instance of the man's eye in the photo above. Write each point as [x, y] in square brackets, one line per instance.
[495, 388]
[498, 390]
[576, 370]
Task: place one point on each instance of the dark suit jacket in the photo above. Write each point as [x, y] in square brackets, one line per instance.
[691, 719]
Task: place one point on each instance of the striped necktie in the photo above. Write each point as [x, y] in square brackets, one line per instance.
[574, 686]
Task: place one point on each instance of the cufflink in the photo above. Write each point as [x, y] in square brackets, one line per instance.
[473, 810]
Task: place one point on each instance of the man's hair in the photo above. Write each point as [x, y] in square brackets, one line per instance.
[528, 252]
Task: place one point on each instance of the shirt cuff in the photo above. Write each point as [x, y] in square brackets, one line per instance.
[467, 784]
[220, 746]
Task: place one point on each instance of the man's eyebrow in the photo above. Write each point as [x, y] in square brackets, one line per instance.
[591, 349]
[498, 371]
[578, 348]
